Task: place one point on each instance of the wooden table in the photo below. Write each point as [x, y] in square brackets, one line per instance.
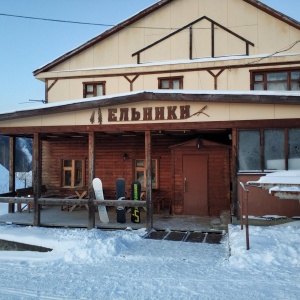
[81, 195]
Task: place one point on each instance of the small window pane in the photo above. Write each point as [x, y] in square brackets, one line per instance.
[153, 175]
[276, 76]
[295, 86]
[277, 86]
[294, 149]
[165, 84]
[258, 86]
[99, 90]
[140, 163]
[67, 163]
[176, 84]
[295, 75]
[274, 149]
[249, 150]
[68, 178]
[78, 173]
[258, 77]
[140, 177]
[90, 88]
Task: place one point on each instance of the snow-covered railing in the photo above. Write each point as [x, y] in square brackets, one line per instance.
[281, 184]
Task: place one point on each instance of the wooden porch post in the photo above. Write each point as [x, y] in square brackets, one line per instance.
[91, 221]
[148, 180]
[12, 170]
[234, 172]
[37, 180]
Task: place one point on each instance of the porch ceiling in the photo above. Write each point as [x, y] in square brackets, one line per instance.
[166, 133]
[76, 135]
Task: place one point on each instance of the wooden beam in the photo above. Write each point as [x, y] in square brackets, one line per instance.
[70, 202]
[131, 81]
[12, 170]
[148, 180]
[115, 128]
[91, 220]
[191, 43]
[212, 39]
[215, 76]
[37, 174]
[234, 151]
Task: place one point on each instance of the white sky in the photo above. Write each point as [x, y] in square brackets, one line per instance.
[28, 44]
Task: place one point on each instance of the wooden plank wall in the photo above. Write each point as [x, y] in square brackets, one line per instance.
[109, 163]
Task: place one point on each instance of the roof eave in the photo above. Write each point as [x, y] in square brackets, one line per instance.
[103, 36]
[152, 96]
[275, 13]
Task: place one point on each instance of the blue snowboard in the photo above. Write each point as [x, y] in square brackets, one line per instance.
[121, 210]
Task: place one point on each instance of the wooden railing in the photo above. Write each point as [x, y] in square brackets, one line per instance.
[244, 210]
[67, 201]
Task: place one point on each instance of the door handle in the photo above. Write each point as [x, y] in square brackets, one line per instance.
[184, 184]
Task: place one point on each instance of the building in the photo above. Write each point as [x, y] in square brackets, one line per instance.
[208, 91]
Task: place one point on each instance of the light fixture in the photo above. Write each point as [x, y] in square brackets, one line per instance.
[199, 143]
[125, 156]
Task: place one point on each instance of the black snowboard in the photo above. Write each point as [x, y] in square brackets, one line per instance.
[121, 210]
[135, 195]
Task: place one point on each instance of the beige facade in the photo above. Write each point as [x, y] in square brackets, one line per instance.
[111, 59]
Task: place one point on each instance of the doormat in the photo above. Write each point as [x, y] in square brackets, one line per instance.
[187, 236]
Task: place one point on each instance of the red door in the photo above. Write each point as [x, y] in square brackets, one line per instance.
[195, 185]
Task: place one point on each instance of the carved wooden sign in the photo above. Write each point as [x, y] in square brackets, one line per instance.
[160, 113]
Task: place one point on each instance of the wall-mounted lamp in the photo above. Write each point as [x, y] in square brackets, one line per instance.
[199, 143]
[125, 156]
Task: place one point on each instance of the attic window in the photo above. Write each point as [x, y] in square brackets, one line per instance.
[93, 89]
[170, 83]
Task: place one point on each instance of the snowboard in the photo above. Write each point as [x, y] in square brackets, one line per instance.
[97, 185]
[121, 210]
[135, 195]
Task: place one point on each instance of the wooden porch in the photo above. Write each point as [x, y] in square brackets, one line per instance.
[53, 216]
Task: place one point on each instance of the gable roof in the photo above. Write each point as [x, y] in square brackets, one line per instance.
[267, 9]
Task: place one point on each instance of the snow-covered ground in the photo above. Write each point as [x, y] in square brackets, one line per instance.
[97, 264]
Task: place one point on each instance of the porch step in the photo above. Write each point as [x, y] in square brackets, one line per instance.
[222, 222]
[213, 237]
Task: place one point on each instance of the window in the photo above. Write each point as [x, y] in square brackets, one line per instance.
[266, 150]
[72, 175]
[140, 172]
[294, 149]
[276, 80]
[249, 150]
[93, 89]
[170, 83]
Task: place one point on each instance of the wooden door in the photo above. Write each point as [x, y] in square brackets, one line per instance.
[195, 193]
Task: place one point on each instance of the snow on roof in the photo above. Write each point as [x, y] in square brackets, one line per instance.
[191, 92]
[281, 177]
[181, 61]
[282, 184]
